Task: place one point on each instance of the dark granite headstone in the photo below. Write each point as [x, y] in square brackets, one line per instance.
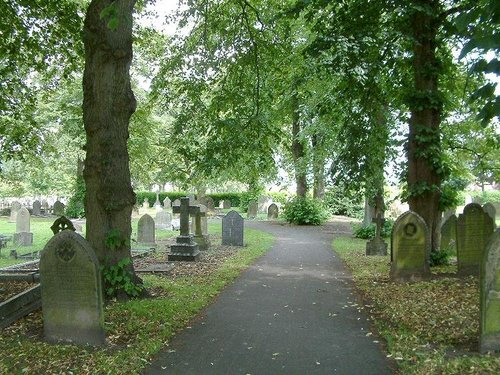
[232, 229]
[58, 208]
[37, 208]
[474, 228]
[489, 325]
[410, 246]
[72, 301]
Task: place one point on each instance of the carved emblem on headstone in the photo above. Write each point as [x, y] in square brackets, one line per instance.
[61, 224]
[65, 252]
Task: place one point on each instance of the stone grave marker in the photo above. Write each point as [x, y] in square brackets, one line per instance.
[490, 210]
[474, 228]
[489, 310]
[45, 207]
[71, 290]
[58, 208]
[146, 230]
[37, 208]
[232, 229]
[23, 236]
[252, 209]
[449, 234]
[157, 204]
[199, 227]
[145, 203]
[410, 246]
[377, 246]
[176, 203]
[210, 204]
[185, 248]
[263, 203]
[272, 211]
[14, 207]
[226, 205]
[163, 220]
[167, 204]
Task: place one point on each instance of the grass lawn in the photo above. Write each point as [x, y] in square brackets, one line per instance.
[135, 330]
[430, 327]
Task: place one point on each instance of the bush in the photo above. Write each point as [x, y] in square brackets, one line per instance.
[76, 204]
[235, 198]
[368, 232]
[305, 211]
[338, 203]
[441, 257]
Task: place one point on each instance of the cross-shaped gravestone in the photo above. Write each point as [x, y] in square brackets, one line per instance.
[200, 235]
[185, 248]
[379, 223]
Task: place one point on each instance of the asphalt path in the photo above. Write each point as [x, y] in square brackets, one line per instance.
[293, 312]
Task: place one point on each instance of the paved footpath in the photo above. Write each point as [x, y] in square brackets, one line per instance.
[293, 312]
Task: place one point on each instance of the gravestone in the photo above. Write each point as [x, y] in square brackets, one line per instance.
[263, 203]
[489, 310]
[176, 203]
[71, 290]
[192, 199]
[272, 211]
[37, 208]
[145, 203]
[167, 204]
[163, 220]
[200, 228]
[490, 210]
[410, 246]
[14, 207]
[226, 205]
[474, 228]
[221, 204]
[23, 236]
[232, 229]
[58, 208]
[45, 207]
[185, 248]
[210, 204]
[377, 245]
[449, 234]
[157, 204]
[252, 209]
[146, 230]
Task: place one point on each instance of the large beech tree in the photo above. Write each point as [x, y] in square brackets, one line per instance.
[108, 104]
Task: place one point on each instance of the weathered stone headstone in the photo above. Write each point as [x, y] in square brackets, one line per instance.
[227, 204]
[176, 203]
[263, 203]
[58, 208]
[489, 310]
[210, 204]
[157, 204]
[449, 234]
[145, 203]
[377, 245]
[72, 301]
[490, 210]
[200, 227]
[232, 229]
[167, 204]
[45, 207]
[252, 209]
[163, 220]
[272, 211]
[23, 237]
[410, 246]
[474, 228]
[37, 208]
[14, 207]
[146, 230]
[185, 249]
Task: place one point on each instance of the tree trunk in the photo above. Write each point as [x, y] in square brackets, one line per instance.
[424, 146]
[298, 150]
[318, 167]
[107, 106]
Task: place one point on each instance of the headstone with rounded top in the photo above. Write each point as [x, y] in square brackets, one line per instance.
[377, 246]
[167, 204]
[71, 291]
[489, 310]
[232, 229]
[58, 208]
[146, 230]
[252, 209]
[489, 208]
[37, 208]
[449, 234]
[210, 204]
[226, 205]
[14, 207]
[163, 220]
[474, 228]
[410, 246]
[45, 207]
[23, 236]
[272, 211]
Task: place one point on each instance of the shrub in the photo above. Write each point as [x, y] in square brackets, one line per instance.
[76, 205]
[368, 232]
[233, 197]
[338, 203]
[441, 257]
[305, 211]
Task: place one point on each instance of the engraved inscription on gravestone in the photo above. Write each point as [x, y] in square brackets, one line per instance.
[72, 300]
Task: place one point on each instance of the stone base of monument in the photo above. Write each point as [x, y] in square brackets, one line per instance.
[23, 239]
[376, 246]
[202, 241]
[184, 250]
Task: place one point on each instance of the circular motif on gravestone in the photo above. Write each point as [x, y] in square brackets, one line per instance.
[410, 229]
[65, 252]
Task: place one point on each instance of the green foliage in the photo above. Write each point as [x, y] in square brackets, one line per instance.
[340, 202]
[441, 257]
[305, 211]
[118, 278]
[114, 239]
[235, 198]
[451, 193]
[486, 196]
[369, 231]
[76, 204]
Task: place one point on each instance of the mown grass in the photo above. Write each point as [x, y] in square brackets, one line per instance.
[135, 330]
[431, 327]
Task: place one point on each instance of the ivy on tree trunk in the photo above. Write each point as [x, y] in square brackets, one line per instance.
[107, 106]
